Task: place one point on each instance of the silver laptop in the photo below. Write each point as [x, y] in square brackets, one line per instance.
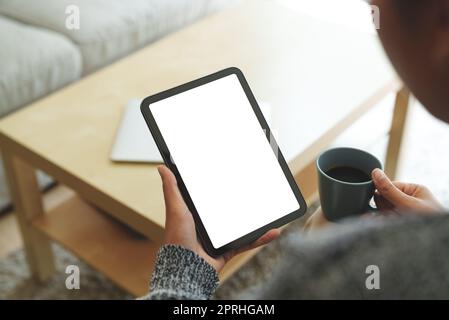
[134, 142]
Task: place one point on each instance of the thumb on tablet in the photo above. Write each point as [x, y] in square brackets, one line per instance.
[173, 199]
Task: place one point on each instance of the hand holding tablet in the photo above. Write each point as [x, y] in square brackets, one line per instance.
[180, 227]
[229, 170]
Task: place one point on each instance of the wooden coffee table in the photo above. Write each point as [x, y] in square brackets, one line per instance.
[318, 77]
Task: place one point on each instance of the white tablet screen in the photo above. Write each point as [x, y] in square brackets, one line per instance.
[224, 158]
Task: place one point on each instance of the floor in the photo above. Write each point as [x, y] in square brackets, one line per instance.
[9, 235]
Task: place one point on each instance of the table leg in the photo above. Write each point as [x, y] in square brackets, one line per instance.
[397, 132]
[27, 200]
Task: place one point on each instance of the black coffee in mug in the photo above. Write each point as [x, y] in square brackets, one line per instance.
[344, 181]
[348, 174]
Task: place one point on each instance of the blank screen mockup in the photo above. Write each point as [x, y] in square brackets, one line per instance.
[224, 158]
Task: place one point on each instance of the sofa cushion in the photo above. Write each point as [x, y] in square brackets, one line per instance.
[33, 63]
[110, 29]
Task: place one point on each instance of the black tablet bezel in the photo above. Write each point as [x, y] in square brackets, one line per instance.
[163, 149]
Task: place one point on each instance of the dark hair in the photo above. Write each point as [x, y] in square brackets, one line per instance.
[411, 6]
[411, 9]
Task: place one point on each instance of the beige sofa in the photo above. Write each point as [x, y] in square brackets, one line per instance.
[39, 54]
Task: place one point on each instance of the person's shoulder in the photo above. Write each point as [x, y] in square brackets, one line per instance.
[332, 263]
[375, 231]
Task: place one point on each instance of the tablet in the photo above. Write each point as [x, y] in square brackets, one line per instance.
[213, 136]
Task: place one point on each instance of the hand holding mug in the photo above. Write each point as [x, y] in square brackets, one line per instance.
[390, 197]
[399, 197]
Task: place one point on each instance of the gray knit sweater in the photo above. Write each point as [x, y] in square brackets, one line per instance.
[411, 254]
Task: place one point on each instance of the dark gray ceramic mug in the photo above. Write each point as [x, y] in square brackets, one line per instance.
[341, 199]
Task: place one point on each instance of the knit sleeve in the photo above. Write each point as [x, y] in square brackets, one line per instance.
[182, 274]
